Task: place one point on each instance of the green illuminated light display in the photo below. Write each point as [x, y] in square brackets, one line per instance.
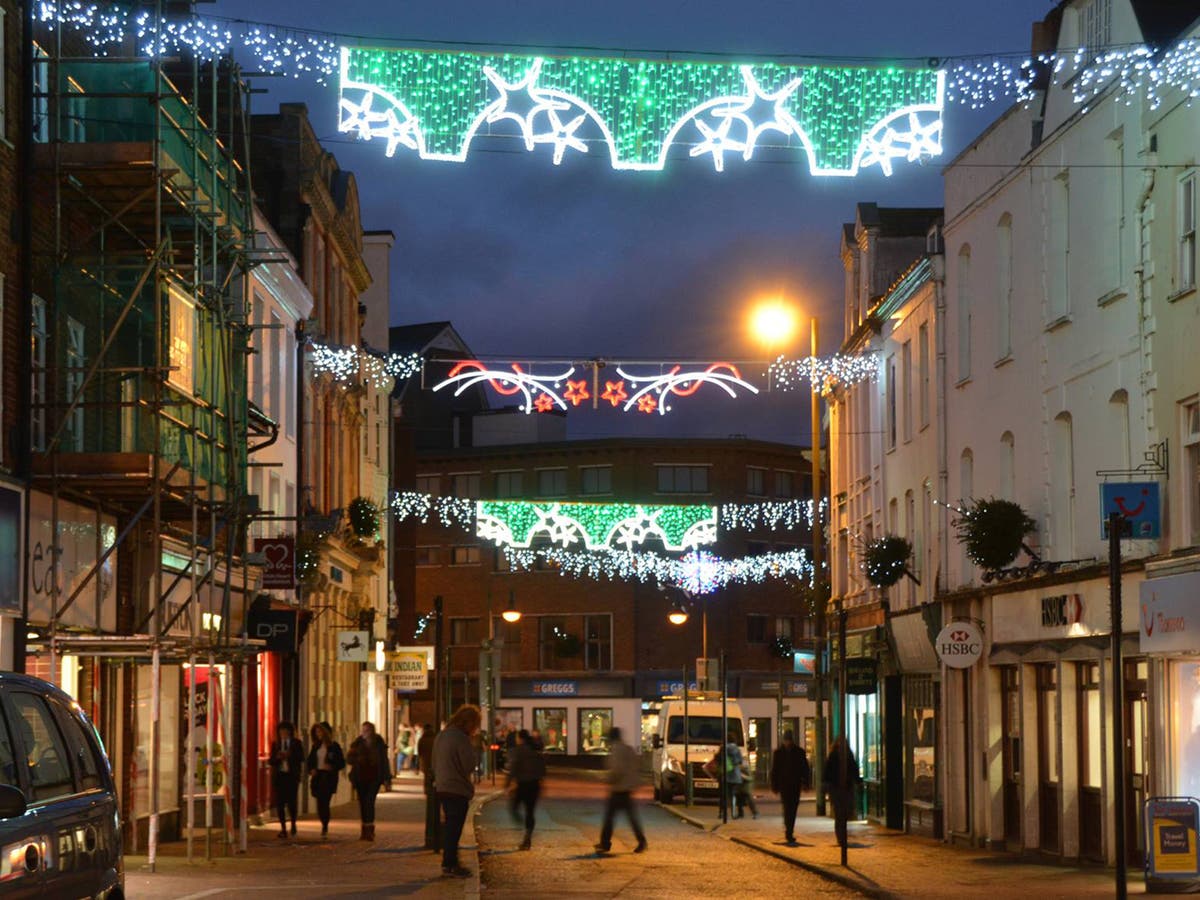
[844, 118]
[515, 523]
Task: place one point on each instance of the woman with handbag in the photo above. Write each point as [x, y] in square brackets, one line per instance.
[325, 760]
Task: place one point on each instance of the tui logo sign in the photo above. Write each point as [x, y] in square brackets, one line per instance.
[959, 645]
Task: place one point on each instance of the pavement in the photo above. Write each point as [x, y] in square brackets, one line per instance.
[891, 864]
[395, 864]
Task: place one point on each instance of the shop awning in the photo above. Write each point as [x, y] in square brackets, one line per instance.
[910, 638]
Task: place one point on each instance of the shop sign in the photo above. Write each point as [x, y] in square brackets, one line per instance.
[1169, 619]
[279, 562]
[353, 646]
[959, 645]
[672, 688]
[1136, 502]
[555, 688]
[407, 670]
[275, 626]
[1062, 610]
[862, 675]
[1171, 826]
[804, 662]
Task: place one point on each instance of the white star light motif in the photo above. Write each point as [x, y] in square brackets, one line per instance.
[779, 118]
[371, 123]
[359, 116]
[717, 140]
[560, 135]
[922, 139]
[523, 88]
[399, 133]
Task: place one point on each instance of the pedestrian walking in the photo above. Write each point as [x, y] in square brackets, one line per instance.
[624, 777]
[325, 760]
[840, 781]
[369, 771]
[790, 774]
[454, 762]
[287, 758]
[526, 769]
[738, 779]
[413, 751]
[405, 747]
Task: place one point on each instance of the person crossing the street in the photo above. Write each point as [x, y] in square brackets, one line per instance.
[624, 777]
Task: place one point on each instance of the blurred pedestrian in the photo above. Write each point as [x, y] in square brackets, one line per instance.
[738, 779]
[790, 774]
[536, 736]
[325, 760]
[405, 746]
[840, 781]
[454, 762]
[414, 751]
[287, 758]
[526, 769]
[624, 777]
[369, 771]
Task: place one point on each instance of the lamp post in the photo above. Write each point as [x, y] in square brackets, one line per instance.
[679, 616]
[489, 671]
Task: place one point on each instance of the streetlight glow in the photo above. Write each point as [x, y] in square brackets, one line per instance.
[511, 613]
[677, 616]
[773, 322]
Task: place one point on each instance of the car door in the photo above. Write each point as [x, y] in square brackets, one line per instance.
[97, 836]
[61, 807]
[22, 842]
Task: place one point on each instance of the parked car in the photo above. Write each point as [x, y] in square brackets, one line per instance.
[60, 829]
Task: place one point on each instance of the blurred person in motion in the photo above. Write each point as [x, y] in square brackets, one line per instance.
[624, 777]
[790, 774]
[526, 769]
[840, 781]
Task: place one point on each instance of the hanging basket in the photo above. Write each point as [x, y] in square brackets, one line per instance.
[781, 647]
[994, 532]
[567, 645]
[364, 517]
[886, 560]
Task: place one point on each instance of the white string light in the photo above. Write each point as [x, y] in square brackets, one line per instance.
[354, 365]
[822, 372]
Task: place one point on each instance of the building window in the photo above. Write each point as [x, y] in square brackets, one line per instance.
[1062, 506]
[1191, 475]
[964, 313]
[552, 482]
[1112, 260]
[1059, 248]
[1187, 232]
[508, 485]
[923, 365]
[1095, 32]
[891, 402]
[429, 484]
[75, 127]
[756, 482]
[1004, 272]
[784, 627]
[464, 632]
[466, 485]
[683, 479]
[756, 629]
[464, 555]
[428, 556]
[274, 359]
[288, 416]
[1008, 466]
[595, 479]
[598, 643]
[76, 359]
[37, 384]
[785, 484]
[41, 95]
[500, 561]
[183, 340]
[906, 373]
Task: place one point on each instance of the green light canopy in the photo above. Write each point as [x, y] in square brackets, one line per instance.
[635, 110]
[516, 523]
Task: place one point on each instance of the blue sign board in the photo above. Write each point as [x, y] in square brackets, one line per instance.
[1171, 830]
[1137, 502]
[804, 662]
[672, 688]
[555, 688]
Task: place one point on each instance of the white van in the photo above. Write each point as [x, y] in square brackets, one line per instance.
[704, 738]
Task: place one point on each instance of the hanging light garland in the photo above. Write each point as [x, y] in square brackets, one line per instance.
[822, 373]
[451, 511]
[355, 365]
[770, 514]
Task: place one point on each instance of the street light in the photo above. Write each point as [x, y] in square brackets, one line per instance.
[772, 322]
[678, 615]
[511, 614]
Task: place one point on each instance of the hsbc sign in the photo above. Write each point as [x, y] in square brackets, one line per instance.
[959, 645]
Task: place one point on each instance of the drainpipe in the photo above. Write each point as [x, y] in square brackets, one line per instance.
[1145, 376]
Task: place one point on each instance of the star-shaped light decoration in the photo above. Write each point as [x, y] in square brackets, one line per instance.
[543, 403]
[360, 116]
[767, 112]
[577, 391]
[647, 403]
[717, 140]
[614, 392]
[560, 135]
[520, 101]
[398, 133]
[921, 140]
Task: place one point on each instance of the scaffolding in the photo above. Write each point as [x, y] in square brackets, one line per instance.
[139, 411]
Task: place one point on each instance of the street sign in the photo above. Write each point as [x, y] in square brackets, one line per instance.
[353, 646]
[279, 562]
[959, 645]
[1137, 503]
[1171, 826]
[408, 670]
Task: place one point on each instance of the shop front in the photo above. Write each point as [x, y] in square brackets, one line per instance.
[772, 704]
[572, 716]
[918, 718]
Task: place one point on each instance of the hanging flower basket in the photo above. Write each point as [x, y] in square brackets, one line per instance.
[993, 532]
[364, 517]
[308, 559]
[781, 647]
[567, 645]
[886, 560]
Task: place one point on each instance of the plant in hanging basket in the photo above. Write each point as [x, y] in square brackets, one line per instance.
[781, 647]
[886, 560]
[993, 532]
[364, 517]
[566, 645]
[308, 559]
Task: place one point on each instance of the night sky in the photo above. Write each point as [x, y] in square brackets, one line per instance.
[578, 260]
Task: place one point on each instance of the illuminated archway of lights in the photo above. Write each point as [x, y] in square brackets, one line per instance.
[1137, 71]
[633, 110]
[518, 523]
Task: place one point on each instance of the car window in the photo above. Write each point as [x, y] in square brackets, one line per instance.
[8, 757]
[79, 747]
[45, 753]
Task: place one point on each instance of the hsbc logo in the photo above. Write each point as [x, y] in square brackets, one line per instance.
[959, 645]
[960, 636]
[1062, 610]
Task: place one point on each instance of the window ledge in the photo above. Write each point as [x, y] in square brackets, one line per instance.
[1058, 323]
[1180, 294]
[5, 142]
[1004, 360]
[1113, 296]
[963, 382]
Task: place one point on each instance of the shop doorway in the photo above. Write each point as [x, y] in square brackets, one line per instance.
[763, 733]
[1137, 776]
[1048, 762]
[1010, 724]
[1090, 740]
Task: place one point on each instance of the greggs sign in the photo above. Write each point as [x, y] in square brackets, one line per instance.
[1168, 618]
[959, 645]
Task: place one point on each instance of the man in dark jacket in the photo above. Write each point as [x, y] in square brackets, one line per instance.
[454, 762]
[287, 758]
[790, 775]
[526, 769]
[841, 780]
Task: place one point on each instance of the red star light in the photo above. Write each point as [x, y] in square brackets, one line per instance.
[577, 391]
[647, 404]
[614, 392]
[543, 403]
